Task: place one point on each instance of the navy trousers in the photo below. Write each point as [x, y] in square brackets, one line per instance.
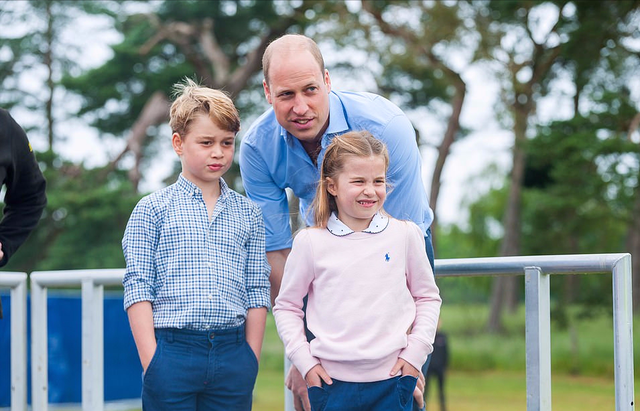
[200, 370]
[394, 394]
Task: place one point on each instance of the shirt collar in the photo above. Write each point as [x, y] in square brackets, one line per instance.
[191, 189]
[336, 227]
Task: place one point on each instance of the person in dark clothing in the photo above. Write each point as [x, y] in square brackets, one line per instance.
[25, 197]
[438, 366]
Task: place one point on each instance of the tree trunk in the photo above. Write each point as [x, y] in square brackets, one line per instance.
[504, 291]
[48, 62]
[453, 126]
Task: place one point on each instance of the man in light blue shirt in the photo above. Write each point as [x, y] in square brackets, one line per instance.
[285, 146]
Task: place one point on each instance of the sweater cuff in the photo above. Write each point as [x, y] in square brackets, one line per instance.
[303, 360]
[416, 353]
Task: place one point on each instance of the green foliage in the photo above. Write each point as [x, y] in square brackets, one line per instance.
[83, 223]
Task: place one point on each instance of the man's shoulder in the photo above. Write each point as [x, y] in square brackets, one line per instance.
[363, 102]
[264, 125]
[368, 111]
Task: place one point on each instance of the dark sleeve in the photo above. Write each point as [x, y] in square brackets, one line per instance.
[25, 196]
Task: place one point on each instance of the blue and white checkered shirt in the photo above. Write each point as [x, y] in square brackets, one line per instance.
[197, 273]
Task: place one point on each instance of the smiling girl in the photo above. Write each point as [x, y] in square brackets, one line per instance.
[373, 304]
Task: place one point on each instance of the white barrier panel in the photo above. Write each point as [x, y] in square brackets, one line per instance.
[92, 283]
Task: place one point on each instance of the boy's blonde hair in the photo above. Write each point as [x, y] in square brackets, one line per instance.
[353, 143]
[192, 99]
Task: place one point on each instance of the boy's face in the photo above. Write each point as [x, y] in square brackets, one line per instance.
[206, 151]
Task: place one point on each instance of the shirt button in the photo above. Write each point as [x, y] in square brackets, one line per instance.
[210, 297]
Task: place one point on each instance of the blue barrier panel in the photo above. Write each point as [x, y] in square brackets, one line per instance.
[122, 379]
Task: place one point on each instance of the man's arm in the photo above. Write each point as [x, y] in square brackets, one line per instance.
[276, 259]
[25, 197]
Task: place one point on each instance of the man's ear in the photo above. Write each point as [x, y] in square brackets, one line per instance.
[176, 142]
[327, 80]
[267, 93]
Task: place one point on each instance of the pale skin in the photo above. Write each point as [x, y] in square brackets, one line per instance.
[298, 91]
[206, 153]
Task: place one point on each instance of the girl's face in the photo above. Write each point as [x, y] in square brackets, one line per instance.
[359, 190]
[206, 151]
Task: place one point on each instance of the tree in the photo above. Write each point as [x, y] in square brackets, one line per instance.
[219, 43]
[415, 70]
[514, 38]
[62, 240]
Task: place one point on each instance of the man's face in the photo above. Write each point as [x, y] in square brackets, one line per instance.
[299, 92]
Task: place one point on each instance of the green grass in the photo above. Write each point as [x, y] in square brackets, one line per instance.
[488, 371]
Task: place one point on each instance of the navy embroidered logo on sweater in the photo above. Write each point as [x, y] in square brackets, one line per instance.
[386, 257]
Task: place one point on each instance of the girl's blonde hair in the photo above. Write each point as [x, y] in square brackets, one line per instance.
[192, 99]
[353, 143]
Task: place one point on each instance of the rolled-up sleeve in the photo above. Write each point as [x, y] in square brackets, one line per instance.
[257, 266]
[139, 243]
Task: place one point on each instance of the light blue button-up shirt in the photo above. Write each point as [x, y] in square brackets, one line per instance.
[272, 160]
[198, 273]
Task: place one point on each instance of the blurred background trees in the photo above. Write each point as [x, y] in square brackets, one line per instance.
[568, 95]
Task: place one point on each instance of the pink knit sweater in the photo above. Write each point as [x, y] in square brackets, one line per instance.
[372, 299]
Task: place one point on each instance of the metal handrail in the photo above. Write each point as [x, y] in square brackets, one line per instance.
[536, 269]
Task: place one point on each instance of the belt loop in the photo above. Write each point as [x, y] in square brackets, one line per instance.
[169, 335]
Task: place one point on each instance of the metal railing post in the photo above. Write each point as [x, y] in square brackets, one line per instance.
[623, 333]
[39, 354]
[92, 346]
[17, 283]
[19, 345]
[538, 339]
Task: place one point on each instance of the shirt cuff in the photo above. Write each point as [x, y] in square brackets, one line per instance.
[131, 298]
[303, 360]
[416, 352]
[259, 300]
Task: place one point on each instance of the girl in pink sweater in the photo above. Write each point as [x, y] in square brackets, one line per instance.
[373, 304]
